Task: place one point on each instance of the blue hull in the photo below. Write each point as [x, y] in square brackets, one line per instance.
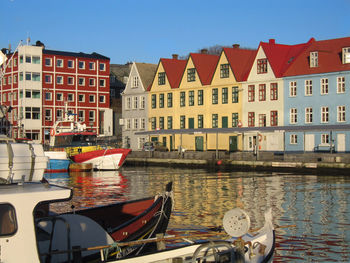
[58, 166]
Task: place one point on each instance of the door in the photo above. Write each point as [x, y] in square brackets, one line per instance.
[224, 121]
[340, 142]
[199, 143]
[233, 145]
[191, 123]
[309, 142]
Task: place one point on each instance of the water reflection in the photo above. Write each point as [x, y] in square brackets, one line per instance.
[318, 206]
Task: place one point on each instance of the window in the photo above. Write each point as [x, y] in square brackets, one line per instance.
[8, 220]
[35, 76]
[214, 121]
[308, 115]
[262, 120]
[161, 123]
[59, 80]
[32, 113]
[102, 66]
[135, 124]
[20, 59]
[170, 100]
[28, 59]
[91, 98]
[20, 76]
[346, 55]
[81, 97]
[91, 115]
[36, 60]
[92, 82]
[314, 59]
[235, 119]
[273, 91]
[142, 102]
[15, 79]
[70, 80]
[128, 103]
[308, 87]
[161, 78]
[251, 119]
[128, 124]
[251, 93]
[48, 62]
[70, 64]
[182, 122]
[182, 99]
[224, 71]
[234, 94]
[293, 115]
[142, 123]
[36, 94]
[214, 96]
[59, 63]
[70, 97]
[48, 114]
[200, 97]
[274, 118]
[191, 74]
[200, 121]
[102, 83]
[154, 101]
[48, 95]
[59, 97]
[324, 86]
[81, 114]
[325, 138]
[48, 79]
[135, 82]
[59, 114]
[191, 98]
[293, 89]
[224, 95]
[91, 66]
[262, 92]
[135, 102]
[340, 84]
[81, 81]
[170, 122]
[293, 139]
[153, 123]
[262, 66]
[28, 76]
[161, 100]
[324, 114]
[81, 65]
[341, 113]
[103, 99]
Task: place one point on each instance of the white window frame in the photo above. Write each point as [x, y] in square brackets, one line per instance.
[103, 97]
[59, 96]
[324, 86]
[314, 59]
[59, 63]
[324, 114]
[70, 97]
[293, 116]
[92, 96]
[135, 82]
[81, 64]
[102, 83]
[293, 139]
[308, 87]
[308, 115]
[70, 61]
[92, 65]
[81, 81]
[341, 113]
[128, 124]
[142, 102]
[292, 88]
[68, 80]
[93, 82]
[341, 84]
[81, 117]
[102, 66]
[48, 117]
[59, 80]
[135, 101]
[49, 79]
[325, 139]
[346, 55]
[128, 103]
[83, 98]
[135, 124]
[49, 60]
[142, 123]
[92, 118]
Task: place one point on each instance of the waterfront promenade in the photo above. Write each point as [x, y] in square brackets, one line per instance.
[338, 163]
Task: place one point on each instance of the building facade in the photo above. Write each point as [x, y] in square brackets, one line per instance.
[42, 85]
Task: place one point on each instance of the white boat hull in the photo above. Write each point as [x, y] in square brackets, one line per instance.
[106, 162]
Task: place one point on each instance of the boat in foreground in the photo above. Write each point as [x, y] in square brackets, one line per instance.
[27, 225]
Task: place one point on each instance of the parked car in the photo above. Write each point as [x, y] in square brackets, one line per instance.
[154, 146]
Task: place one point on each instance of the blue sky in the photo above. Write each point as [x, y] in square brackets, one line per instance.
[145, 31]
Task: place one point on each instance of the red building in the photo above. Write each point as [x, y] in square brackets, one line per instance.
[40, 85]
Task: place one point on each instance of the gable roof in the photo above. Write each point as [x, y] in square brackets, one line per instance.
[329, 58]
[241, 61]
[282, 56]
[205, 65]
[174, 69]
[146, 72]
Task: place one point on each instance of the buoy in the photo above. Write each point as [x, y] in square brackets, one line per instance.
[219, 162]
[80, 167]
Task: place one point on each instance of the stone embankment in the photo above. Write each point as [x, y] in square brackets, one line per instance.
[328, 163]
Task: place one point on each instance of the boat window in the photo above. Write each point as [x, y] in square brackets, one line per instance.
[8, 223]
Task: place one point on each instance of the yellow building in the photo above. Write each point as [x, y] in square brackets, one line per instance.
[204, 99]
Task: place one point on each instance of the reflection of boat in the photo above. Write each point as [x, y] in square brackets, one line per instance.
[82, 146]
[21, 204]
[244, 247]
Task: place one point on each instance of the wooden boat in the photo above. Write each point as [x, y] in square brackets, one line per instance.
[58, 162]
[28, 226]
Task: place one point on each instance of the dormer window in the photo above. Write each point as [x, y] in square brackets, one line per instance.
[314, 59]
[262, 66]
[161, 78]
[346, 55]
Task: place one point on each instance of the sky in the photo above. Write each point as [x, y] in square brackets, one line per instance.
[145, 31]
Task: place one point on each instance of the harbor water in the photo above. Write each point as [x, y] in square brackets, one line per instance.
[311, 212]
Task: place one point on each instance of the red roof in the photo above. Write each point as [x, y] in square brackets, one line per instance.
[174, 69]
[205, 65]
[329, 58]
[241, 61]
[281, 57]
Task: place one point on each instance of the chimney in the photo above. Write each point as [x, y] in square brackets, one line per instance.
[204, 51]
[235, 45]
[272, 41]
[175, 56]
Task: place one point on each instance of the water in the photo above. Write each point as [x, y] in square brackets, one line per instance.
[315, 209]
